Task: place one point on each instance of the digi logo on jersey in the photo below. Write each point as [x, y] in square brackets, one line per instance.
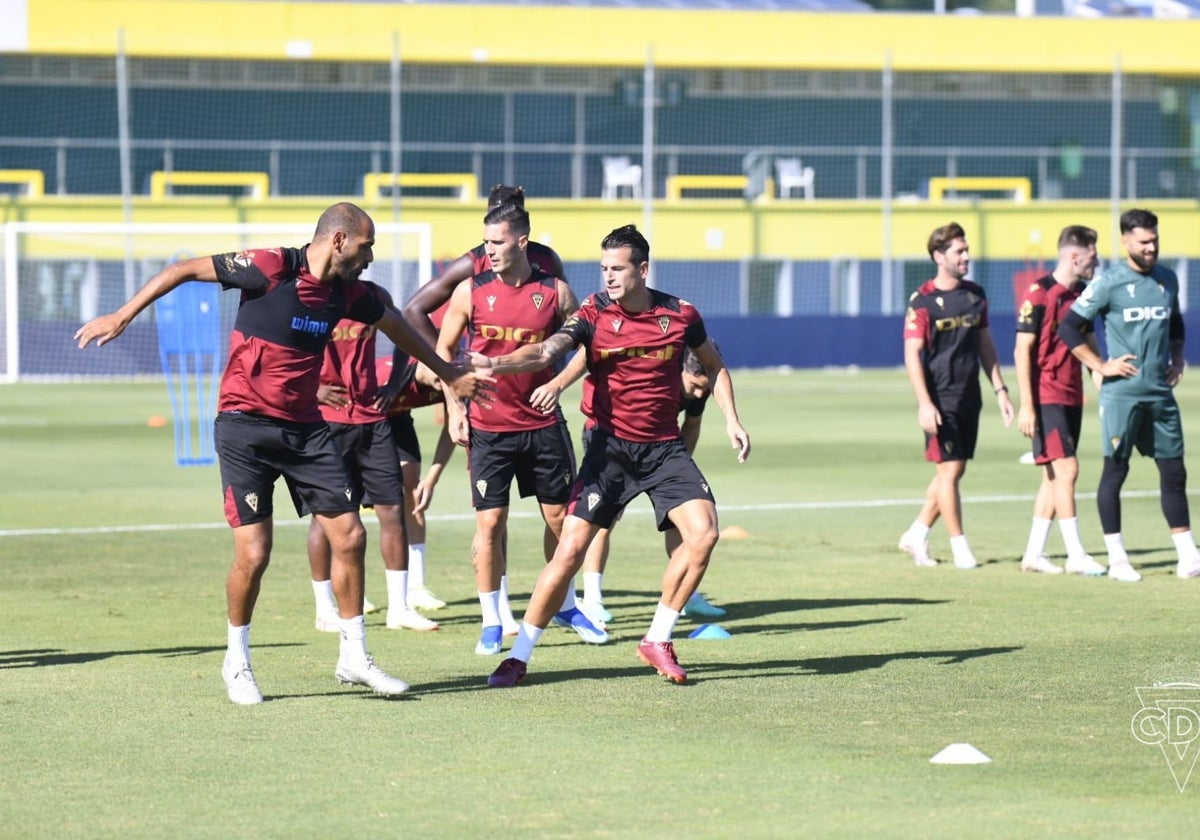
[353, 332]
[663, 354]
[521, 335]
[1133, 314]
[310, 326]
[957, 322]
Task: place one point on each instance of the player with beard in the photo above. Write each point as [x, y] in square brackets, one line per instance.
[269, 422]
[1138, 302]
[946, 341]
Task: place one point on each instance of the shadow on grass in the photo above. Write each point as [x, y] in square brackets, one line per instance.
[809, 667]
[831, 665]
[47, 657]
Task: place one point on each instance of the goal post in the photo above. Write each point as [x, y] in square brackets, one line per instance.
[56, 276]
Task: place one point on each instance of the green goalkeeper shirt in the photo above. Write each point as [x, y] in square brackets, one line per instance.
[1136, 311]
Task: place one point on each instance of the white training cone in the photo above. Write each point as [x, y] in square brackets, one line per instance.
[960, 754]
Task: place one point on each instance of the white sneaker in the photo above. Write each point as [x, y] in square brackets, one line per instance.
[328, 623]
[918, 550]
[240, 684]
[596, 612]
[369, 674]
[1123, 572]
[422, 599]
[368, 607]
[409, 619]
[1188, 568]
[1042, 564]
[967, 562]
[1085, 565]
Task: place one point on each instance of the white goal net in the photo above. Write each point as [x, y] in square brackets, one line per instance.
[57, 276]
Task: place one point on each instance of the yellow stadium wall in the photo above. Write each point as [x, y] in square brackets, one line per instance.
[609, 37]
[687, 230]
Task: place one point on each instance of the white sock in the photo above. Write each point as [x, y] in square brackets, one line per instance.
[354, 638]
[960, 548]
[592, 587]
[1185, 546]
[919, 531]
[238, 643]
[397, 589]
[489, 606]
[1039, 532]
[416, 565]
[323, 593]
[1116, 549]
[569, 601]
[504, 606]
[1070, 534]
[663, 624]
[527, 637]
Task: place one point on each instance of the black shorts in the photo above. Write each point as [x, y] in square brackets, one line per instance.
[614, 471]
[1057, 432]
[404, 438]
[542, 461]
[372, 461]
[956, 437]
[254, 451]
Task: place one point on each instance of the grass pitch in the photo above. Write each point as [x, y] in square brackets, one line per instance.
[847, 670]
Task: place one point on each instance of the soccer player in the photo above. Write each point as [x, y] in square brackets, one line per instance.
[356, 410]
[634, 337]
[1138, 301]
[946, 341]
[502, 308]
[421, 312]
[1050, 384]
[269, 423]
[695, 388]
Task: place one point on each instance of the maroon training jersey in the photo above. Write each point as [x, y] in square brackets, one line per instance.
[284, 320]
[350, 362]
[1059, 375]
[504, 318]
[635, 361]
[949, 323]
[541, 257]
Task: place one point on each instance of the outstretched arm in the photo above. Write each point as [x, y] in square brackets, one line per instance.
[105, 328]
[426, 300]
[463, 384]
[533, 357]
[722, 391]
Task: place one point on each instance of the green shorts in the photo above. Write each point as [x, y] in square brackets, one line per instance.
[1153, 426]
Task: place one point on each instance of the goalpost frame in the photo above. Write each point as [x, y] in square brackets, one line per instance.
[14, 231]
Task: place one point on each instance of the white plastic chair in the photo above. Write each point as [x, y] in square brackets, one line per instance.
[792, 176]
[621, 172]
